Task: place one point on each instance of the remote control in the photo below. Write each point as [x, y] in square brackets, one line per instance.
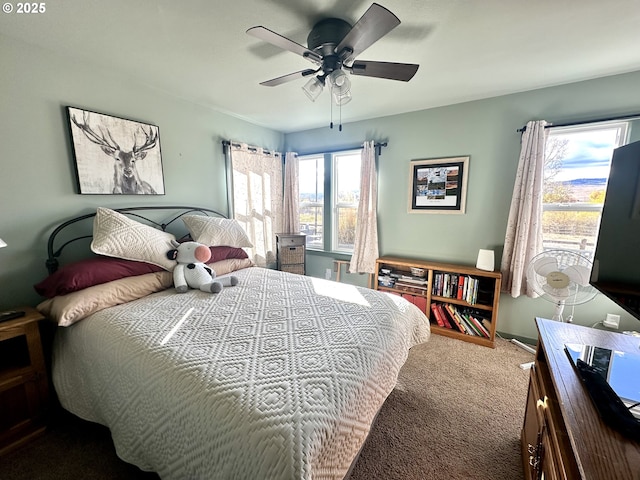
[10, 315]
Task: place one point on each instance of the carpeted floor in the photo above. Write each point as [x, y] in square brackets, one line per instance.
[456, 413]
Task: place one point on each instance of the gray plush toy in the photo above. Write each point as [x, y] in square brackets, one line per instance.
[192, 270]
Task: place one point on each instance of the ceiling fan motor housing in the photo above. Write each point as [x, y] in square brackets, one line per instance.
[329, 31]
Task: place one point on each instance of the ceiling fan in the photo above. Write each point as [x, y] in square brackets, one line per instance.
[333, 45]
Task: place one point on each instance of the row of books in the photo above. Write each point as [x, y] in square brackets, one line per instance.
[406, 283]
[453, 285]
[454, 318]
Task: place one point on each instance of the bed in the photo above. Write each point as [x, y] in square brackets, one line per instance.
[278, 377]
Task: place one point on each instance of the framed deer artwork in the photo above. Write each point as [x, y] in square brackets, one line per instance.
[114, 155]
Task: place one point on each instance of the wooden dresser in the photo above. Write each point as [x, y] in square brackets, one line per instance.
[563, 437]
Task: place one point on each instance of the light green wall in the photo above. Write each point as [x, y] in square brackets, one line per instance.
[37, 183]
[485, 130]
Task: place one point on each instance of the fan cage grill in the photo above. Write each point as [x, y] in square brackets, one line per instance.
[579, 294]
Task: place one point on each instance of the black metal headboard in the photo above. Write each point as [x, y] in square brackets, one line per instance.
[54, 251]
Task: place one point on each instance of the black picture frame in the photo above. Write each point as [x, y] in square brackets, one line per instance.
[438, 185]
[115, 156]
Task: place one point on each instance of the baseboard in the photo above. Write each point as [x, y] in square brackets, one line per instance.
[532, 342]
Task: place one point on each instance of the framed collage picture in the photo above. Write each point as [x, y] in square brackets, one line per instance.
[438, 185]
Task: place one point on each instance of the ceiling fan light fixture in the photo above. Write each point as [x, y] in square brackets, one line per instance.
[340, 87]
[341, 98]
[339, 80]
[313, 88]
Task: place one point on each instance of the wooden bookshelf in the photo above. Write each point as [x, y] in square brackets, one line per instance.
[481, 305]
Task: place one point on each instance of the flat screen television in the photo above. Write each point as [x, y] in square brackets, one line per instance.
[616, 266]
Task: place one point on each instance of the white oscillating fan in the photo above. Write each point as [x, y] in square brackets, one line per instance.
[561, 277]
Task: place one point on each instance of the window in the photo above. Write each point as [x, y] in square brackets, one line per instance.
[329, 195]
[311, 184]
[576, 169]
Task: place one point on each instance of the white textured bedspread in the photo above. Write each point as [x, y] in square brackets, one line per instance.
[279, 377]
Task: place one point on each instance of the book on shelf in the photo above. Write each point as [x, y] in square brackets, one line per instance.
[436, 316]
[479, 326]
[461, 286]
[458, 286]
[479, 319]
[444, 317]
[471, 330]
[448, 308]
[420, 302]
[414, 280]
[472, 326]
[463, 320]
[410, 287]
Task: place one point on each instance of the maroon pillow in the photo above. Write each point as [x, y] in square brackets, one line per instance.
[89, 272]
[223, 253]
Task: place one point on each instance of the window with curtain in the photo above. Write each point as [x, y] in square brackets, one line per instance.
[329, 186]
[576, 169]
[256, 185]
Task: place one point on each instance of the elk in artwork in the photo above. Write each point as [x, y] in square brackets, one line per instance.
[126, 179]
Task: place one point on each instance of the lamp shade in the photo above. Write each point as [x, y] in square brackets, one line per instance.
[2, 243]
[313, 88]
[341, 98]
[485, 260]
[339, 82]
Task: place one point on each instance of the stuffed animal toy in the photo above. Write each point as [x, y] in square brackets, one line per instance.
[192, 271]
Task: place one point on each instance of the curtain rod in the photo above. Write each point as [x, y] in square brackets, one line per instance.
[584, 122]
[378, 146]
[226, 144]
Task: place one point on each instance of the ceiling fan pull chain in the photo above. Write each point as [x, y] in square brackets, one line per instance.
[331, 111]
[340, 127]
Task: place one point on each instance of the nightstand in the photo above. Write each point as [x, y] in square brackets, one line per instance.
[24, 388]
[291, 252]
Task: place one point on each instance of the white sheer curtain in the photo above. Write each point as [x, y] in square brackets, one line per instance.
[291, 210]
[523, 239]
[365, 250]
[256, 183]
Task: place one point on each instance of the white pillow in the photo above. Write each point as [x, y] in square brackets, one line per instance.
[215, 232]
[116, 235]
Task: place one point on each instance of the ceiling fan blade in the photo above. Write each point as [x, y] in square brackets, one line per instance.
[283, 42]
[392, 71]
[287, 78]
[376, 22]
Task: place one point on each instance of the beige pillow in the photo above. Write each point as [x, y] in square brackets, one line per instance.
[116, 235]
[213, 231]
[230, 265]
[68, 309]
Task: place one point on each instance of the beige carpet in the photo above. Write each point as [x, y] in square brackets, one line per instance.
[455, 414]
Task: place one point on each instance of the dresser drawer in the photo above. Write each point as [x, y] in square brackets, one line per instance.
[291, 240]
[290, 255]
[297, 268]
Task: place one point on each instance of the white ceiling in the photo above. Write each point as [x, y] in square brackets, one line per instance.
[467, 49]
